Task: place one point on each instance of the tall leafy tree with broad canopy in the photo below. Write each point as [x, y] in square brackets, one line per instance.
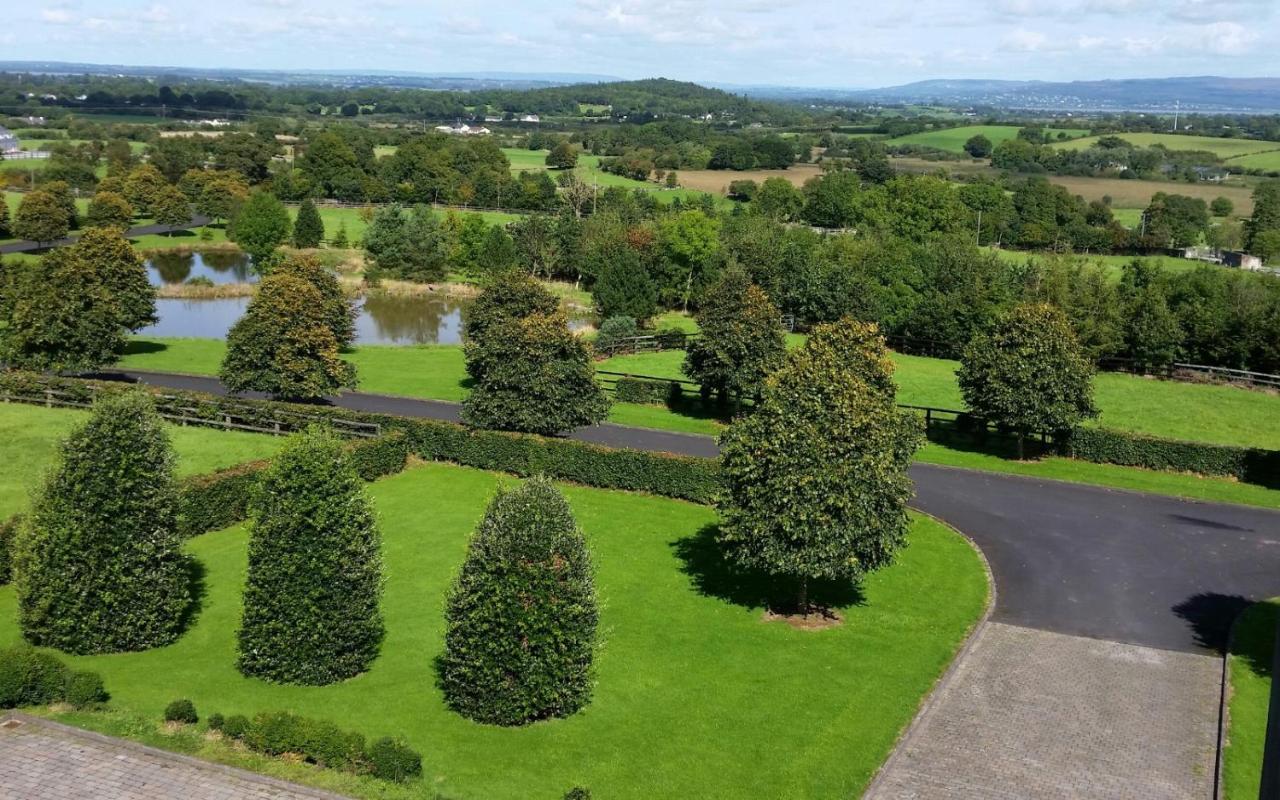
[816, 483]
[742, 338]
[1028, 373]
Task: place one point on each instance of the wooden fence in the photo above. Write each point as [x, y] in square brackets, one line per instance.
[223, 414]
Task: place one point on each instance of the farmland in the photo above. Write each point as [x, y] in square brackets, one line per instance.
[1137, 193]
[1225, 148]
[952, 139]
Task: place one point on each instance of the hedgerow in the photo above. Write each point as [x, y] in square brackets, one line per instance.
[643, 390]
[1106, 446]
[31, 678]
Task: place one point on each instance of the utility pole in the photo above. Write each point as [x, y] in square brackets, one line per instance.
[1177, 106]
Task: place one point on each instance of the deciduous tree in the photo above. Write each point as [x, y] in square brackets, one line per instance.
[40, 218]
[742, 338]
[260, 226]
[109, 210]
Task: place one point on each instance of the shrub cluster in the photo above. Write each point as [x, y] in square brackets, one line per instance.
[644, 390]
[216, 500]
[31, 678]
[1106, 446]
[8, 529]
[321, 742]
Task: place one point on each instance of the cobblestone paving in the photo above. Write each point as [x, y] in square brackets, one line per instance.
[44, 761]
[1034, 715]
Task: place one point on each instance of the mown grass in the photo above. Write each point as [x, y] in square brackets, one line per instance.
[952, 139]
[696, 695]
[1225, 148]
[31, 435]
[1249, 665]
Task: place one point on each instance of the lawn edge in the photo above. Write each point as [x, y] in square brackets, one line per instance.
[1228, 691]
[912, 730]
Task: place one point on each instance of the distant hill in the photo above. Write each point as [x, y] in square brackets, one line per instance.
[1204, 93]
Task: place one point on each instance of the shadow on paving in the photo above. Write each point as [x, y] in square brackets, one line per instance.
[1210, 616]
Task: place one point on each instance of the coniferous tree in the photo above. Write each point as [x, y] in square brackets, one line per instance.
[311, 598]
[98, 565]
[742, 338]
[5, 223]
[308, 228]
[624, 288]
[521, 618]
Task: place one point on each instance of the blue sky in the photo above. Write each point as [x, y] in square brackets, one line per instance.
[819, 43]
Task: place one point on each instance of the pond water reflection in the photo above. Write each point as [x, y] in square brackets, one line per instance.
[218, 266]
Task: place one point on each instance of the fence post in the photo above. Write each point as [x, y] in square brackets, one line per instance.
[1270, 785]
[48, 398]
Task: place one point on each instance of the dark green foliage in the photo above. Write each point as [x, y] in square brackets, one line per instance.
[171, 207]
[578, 793]
[85, 690]
[276, 733]
[182, 710]
[409, 245]
[236, 727]
[1028, 373]
[98, 563]
[375, 458]
[108, 210]
[978, 146]
[122, 271]
[6, 223]
[30, 678]
[284, 344]
[1106, 446]
[536, 377]
[318, 741]
[640, 390]
[816, 476]
[1222, 207]
[563, 156]
[40, 218]
[511, 295]
[742, 338]
[1151, 330]
[624, 288]
[216, 722]
[497, 252]
[340, 240]
[216, 500]
[391, 760]
[260, 225]
[8, 531]
[60, 316]
[613, 331]
[521, 617]
[340, 313]
[311, 598]
[308, 228]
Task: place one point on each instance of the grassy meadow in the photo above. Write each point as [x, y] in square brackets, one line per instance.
[697, 695]
[1224, 148]
[952, 139]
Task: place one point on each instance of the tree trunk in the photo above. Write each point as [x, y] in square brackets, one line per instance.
[802, 599]
[1021, 448]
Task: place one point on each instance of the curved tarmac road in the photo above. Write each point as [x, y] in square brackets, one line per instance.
[1068, 558]
[27, 246]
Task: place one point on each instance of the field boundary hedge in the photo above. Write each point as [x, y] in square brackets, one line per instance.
[1108, 446]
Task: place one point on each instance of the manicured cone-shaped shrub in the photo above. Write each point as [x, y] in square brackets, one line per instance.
[98, 564]
[311, 611]
[521, 617]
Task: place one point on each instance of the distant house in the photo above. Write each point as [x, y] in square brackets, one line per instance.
[463, 129]
[1233, 258]
[8, 142]
[534, 118]
[1211, 174]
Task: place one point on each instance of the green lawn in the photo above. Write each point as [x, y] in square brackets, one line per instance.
[1226, 148]
[696, 695]
[1268, 161]
[31, 435]
[952, 139]
[1249, 665]
[1113, 264]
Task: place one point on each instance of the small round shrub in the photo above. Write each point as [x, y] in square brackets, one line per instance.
[391, 760]
[85, 689]
[28, 678]
[182, 710]
[578, 793]
[613, 330]
[236, 726]
[217, 722]
[328, 745]
[277, 732]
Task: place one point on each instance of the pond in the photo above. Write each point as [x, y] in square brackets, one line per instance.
[219, 267]
[382, 320]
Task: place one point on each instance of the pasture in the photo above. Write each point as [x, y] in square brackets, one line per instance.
[1224, 148]
[952, 139]
[1268, 161]
[1137, 193]
[696, 694]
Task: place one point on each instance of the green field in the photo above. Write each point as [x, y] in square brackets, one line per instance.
[523, 160]
[1113, 264]
[952, 139]
[1249, 666]
[1226, 148]
[696, 695]
[589, 171]
[1268, 161]
[31, 433]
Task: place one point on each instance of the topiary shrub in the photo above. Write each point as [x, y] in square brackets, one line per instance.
[311, 598]
[236, 726]
[30, 678]
[328, 745]
[98, 562]
[612, 331]
[375, 458]
[217, 722]
[182, 710]
[85, 689]
[8, 530]
[276, 732]
[521, 617]
[392, 760]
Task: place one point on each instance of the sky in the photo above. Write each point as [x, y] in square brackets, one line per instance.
[826, 43]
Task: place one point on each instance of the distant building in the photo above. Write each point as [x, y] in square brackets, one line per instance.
[8, 142]
[1233, 258]
[534, 118]
[462, 129]
[32, 120]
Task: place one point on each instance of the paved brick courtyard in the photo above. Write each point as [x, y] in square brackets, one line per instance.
[45, 761]
[1034, 715]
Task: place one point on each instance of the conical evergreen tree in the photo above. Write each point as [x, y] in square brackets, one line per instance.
[311, 598]
[521, 617]
[98, 562]
[308, 228]
[624, 289]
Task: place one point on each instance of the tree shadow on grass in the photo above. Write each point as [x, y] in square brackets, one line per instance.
[1210, 616]
[144, 346]
[199, 590]
[713, 575]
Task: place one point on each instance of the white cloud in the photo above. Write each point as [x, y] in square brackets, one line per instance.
[1024, 41]
[56, 16]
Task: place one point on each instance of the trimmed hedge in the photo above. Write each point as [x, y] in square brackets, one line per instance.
[216, 500]
[181, 710]
[377, 458]
[1106, 446]
[8, 530]
[31, 678]
[641, 390]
